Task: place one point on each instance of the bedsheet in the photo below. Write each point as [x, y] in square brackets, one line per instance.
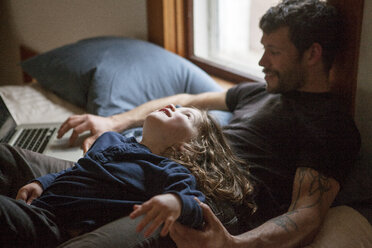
[32, 104]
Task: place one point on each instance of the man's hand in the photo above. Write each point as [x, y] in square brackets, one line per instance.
[159, 209]
[97, 125]
[30, 192]
[213, 235]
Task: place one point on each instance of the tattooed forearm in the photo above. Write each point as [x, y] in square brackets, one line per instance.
[285, 222]
[320, 185]
[309, 191]
[298, 181]
[317, 186]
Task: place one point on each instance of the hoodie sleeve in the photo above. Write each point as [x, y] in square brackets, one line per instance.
[181, 182]
[48, 179]
[103, 142]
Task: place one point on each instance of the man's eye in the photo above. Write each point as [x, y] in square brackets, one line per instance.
[274, 52]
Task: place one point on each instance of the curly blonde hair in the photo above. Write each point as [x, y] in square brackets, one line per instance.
[219, 173]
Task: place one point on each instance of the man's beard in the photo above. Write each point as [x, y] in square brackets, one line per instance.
[286, 81]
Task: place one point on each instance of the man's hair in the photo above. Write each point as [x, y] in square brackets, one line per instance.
[220, 174]
[309, 22]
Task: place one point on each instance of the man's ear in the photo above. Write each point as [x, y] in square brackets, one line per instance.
[313, 54]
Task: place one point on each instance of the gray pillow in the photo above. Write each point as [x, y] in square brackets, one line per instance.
[109, 75]
[357, 189]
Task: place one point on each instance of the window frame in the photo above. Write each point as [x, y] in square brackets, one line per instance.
[170, 25]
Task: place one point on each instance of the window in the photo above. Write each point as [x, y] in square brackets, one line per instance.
[170, 24]
[227, 33]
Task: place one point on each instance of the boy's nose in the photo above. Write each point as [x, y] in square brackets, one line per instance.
[171, 107]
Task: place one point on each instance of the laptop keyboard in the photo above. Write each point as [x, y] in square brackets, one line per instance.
[34, 139]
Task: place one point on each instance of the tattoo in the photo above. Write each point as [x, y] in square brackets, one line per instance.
[318, 185]
[285, 222]
[301, 172]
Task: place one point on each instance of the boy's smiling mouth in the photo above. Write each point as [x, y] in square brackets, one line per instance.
[165, 111]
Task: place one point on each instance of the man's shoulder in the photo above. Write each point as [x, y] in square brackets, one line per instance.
[246, 88]
[245, 93]
[251, 85]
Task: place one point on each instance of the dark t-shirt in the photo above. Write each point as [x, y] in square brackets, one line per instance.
[277, 133]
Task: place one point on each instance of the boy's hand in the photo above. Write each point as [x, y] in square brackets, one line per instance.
[159, 209]
[29, 192]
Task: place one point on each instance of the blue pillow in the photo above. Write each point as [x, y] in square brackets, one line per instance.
[109, 75]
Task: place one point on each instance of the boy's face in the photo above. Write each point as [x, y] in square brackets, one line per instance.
[170, 125]
[281, 62]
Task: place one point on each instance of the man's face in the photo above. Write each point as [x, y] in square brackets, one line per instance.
[281, 62]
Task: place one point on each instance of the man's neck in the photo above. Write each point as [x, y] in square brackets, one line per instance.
[316, 82]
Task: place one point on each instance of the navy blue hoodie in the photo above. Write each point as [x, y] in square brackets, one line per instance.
[115, 174]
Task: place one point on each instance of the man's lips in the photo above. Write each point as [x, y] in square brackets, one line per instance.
[270, 73]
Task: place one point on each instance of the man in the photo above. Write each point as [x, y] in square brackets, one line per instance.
[292, 130]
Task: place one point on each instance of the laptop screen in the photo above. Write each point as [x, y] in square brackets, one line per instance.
[7, 123]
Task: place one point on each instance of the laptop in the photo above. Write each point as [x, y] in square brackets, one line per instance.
[39, 137]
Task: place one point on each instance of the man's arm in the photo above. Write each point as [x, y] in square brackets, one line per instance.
[313, 194]
[135, 117]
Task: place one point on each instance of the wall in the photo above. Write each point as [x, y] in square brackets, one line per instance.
[46, 24]
[363, 113]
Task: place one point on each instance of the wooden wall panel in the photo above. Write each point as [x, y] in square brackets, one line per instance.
[345, 69]
[166, 24]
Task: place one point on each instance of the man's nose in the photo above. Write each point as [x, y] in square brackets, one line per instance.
[264, 60]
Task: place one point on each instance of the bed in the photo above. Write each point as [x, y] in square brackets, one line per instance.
[76, 79]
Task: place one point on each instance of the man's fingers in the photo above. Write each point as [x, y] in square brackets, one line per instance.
[63, 129]
[88, 142]
[179, 233]
[73, 137]
[197, 199]
[78, 129]
[208, 214]
[182, 230]
[71, 122]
